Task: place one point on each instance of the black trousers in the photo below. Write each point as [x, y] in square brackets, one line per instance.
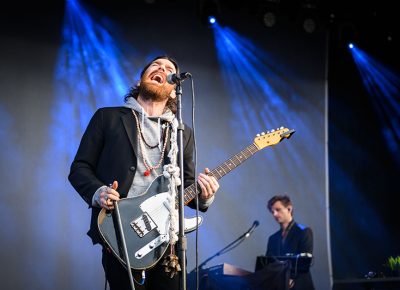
[118, 278]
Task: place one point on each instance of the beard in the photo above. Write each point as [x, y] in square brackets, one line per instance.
[153, 92]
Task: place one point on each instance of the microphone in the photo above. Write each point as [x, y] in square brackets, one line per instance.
[253, 227]
[177, 78]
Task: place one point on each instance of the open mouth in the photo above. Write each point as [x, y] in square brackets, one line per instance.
[158, 78]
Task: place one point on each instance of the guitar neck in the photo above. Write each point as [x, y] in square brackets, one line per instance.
[223, 169]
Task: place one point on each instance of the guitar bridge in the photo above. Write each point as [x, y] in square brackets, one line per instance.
[151, 246]
[143, 225]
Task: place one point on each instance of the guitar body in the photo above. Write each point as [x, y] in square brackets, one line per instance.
[145, 222]
[145, 219]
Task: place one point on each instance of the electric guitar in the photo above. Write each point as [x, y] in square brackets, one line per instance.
[145, 218]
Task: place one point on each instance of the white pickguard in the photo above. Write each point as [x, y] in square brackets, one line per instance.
[156, 213]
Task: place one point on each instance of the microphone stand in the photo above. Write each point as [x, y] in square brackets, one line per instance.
[182, 240]
[226, 249]
[124, 248]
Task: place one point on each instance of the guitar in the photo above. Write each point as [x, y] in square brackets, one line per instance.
[145, 218]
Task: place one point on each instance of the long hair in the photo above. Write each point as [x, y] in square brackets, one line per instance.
[134, 91]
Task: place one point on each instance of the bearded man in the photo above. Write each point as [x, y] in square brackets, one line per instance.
[122, 151]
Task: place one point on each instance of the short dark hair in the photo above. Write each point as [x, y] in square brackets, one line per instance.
[134, 91]
[284, 199]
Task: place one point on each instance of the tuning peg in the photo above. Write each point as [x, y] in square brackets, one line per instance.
[273, 130]
[262, 133]
[281, 128]
[268, 132]
[258, 135]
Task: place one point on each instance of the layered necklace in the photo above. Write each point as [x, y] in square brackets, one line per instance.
[143, 143]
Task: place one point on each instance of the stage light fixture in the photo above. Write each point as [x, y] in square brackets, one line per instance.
[269, 19]
[309, 17]
[270, 12]
[348, 33]
[309, 25]
[209, 12]
[212, 20]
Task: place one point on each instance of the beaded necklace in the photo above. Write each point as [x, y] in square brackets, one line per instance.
[142, 143]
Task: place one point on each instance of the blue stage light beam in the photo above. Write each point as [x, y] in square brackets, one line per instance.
[383, 87]
[91, 71]
[261, 98]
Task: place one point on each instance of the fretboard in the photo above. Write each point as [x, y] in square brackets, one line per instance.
[222, 170]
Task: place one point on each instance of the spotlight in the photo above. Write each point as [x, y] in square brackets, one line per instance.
[351, 45]
[269, 19]
[209, 12]
[309, 16]
[332, 17]
[309, 25]
[348, 34]
[212, 20]
[270, 12]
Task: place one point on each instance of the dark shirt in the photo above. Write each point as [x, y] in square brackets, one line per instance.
[299, 239]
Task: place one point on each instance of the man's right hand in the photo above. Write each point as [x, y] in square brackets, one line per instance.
[109, 195]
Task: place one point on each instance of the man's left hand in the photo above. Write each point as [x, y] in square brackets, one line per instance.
[208, 184]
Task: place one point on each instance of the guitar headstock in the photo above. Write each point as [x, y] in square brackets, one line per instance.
[272, 137]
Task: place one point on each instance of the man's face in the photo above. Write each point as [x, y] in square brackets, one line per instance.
[153, 84]
[281, 213]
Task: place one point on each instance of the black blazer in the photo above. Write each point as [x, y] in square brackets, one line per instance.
[107, 152]
[298, 240]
